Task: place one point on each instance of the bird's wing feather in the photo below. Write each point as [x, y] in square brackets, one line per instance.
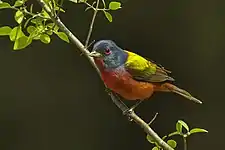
[144, 70]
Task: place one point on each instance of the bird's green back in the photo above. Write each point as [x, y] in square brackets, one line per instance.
[144, 70]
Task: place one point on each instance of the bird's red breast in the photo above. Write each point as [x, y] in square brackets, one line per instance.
[122, 83]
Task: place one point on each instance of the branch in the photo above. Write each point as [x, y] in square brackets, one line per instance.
[129, 113]
[92, 23]
[29, 13]
[185, 142]
[153, 119]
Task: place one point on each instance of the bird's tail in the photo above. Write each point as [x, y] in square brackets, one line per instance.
[167, 87]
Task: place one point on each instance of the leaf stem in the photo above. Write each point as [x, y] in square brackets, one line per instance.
[92, 24]
[29, 13]
[89, 5]
[185, 142]
[153, 119]
[99, 9]
[60, 6]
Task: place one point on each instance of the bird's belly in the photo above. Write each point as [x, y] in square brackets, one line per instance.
[127, 87]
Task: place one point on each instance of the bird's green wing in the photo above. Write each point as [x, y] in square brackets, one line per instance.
[145, 70]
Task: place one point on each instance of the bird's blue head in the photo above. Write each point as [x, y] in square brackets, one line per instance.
[109, 53]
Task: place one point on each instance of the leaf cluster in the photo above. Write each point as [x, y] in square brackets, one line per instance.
[114, 5]
[38, 25]
[182, 130]
[31, 26]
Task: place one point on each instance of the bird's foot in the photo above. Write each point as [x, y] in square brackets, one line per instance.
[135, 105]
[127, 113]
[108, 90]
[131, 109]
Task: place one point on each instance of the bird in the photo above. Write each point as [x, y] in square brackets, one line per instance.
[132, 76]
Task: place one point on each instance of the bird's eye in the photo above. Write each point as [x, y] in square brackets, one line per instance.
[107, 51]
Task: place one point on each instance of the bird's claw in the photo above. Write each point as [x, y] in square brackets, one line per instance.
[128, 112]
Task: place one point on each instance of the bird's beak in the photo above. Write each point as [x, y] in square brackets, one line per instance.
[95, 54]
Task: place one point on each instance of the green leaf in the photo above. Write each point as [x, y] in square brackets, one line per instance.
[49, 32]
[31, 8]
[108, 16]
[40, 28]
[45, 14]
[16, 33]
[37, 20]
[19, 16]
[74, 1]
[174, 133]
[18, 3]
[21, 43]
[63, 36]
[56, 28]
[45, 38]
[46, 1]
[164, 137]
[31, 29]
[4, 5]
[60, 9]
[50, 25]
[184, 124]
[172, 143]
[155, 148]
[114, 5]
[150, 139]
[5, 30]
[198, 130]
[179, 127]
[82, 1]
[13, 33]
[37, 37]
[180, 124]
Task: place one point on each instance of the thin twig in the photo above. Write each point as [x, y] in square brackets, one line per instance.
[185, 142]
[149, 130]
[29, 13]
[60, 6]
[89, 5]
[92, 24]
[153, 119]
[130, 113]
[53, 5]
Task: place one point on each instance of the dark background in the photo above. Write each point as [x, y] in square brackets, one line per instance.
[52, 99]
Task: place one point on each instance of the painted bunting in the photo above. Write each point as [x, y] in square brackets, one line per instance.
[130, 75]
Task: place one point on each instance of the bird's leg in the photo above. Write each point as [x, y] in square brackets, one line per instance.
[131, 109]
[136, 104]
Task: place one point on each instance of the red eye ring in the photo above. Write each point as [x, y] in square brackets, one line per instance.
[107, 51]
